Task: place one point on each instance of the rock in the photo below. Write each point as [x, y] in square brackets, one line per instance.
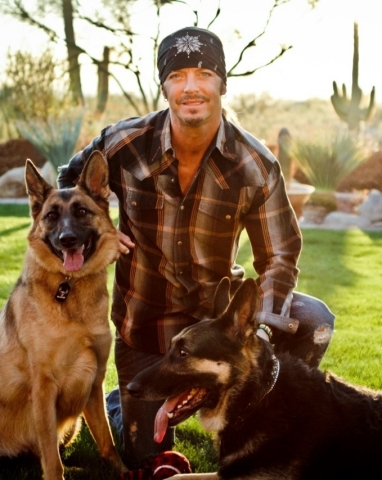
[371, 208]
[12, 183]
[14, 153]
[366, 176]
[49, 173]
[344, 221]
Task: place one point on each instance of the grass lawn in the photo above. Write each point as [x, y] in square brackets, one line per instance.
[343, 268]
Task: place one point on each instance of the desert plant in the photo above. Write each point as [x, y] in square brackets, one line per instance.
[55, 136]
[349, 109]
[325, 162]
[285, 156]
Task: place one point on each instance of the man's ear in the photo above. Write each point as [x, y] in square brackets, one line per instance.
[223, 89]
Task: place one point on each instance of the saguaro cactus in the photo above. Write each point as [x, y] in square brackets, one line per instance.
[285, 155]
[349, 110]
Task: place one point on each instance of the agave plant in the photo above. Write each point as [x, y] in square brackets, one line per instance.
[55, 136]
[326, 162]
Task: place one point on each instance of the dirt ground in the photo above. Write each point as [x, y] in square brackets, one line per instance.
[15, 152]
[366, 177]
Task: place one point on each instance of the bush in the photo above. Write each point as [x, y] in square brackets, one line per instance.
[325, 162]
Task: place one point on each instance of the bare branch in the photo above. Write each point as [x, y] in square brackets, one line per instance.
[253, 42]
[250, 72]
[218, 11]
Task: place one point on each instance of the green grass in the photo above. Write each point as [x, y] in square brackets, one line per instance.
[340, 267]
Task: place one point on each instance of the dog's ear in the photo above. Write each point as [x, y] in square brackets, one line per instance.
[36, 187]
[221, 298]
[95, 176]
[242, 311]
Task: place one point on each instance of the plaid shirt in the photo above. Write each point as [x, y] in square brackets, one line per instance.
[185, 244]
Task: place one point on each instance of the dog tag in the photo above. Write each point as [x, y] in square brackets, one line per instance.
[62, 292]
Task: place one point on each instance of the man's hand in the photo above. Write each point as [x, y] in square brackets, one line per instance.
[125, 243]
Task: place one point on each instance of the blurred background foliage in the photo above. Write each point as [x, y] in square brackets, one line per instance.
[42, 99]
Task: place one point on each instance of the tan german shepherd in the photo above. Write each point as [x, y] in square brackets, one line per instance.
[54, 332]
[276, 418]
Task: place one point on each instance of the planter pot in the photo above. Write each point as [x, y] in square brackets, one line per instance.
[299, 194]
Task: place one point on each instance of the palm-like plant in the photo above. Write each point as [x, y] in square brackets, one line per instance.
[326, 162]
[55, 136]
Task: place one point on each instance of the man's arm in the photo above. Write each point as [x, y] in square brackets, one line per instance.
[275, 237]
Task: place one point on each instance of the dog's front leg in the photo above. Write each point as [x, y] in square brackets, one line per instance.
[44, 398]
[96, 419]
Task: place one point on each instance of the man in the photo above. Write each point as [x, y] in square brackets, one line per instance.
[188, 182]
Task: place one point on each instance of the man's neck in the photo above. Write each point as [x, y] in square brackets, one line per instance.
[190, 145]
[191, 142]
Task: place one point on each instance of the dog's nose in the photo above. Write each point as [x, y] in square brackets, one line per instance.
[68, 239]
[134, 389]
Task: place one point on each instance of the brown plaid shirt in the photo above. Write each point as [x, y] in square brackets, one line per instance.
[184, 244]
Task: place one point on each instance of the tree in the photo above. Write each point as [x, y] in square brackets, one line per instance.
[114, 22]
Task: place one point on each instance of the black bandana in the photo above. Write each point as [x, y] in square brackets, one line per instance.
[191, 47]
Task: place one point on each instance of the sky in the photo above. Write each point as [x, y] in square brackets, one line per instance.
[322, 41]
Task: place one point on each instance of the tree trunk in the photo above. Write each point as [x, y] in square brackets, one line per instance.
[73, 53]
[103, 81]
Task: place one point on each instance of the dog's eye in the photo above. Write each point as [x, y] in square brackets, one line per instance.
[81, 212]
[52, 215]
[183, 353]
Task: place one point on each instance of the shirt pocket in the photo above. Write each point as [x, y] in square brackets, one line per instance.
[143, 208]
[219, 220]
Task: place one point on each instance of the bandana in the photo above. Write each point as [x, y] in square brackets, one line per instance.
[191, 47]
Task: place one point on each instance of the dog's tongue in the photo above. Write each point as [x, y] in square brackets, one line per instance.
[73, 259]
[161, 419]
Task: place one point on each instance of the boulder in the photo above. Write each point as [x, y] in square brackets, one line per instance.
[371, 208]
[12, 182]
[344, 221]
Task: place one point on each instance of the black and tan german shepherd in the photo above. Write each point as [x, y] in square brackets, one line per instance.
[54, 331]
[275, 417]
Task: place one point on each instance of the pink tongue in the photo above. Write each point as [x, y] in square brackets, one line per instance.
[161, 419]
[73, 259]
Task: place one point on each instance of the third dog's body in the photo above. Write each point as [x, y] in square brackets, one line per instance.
[275, 417]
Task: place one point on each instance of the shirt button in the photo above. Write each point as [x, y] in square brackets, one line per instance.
[228, 217]
[134, 204]
[173, 180]
[180, 242]
[180, 273]
[182, 207]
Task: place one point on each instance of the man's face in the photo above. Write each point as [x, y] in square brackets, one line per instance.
[194, 95]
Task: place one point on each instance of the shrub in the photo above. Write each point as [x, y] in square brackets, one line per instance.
[325, 162]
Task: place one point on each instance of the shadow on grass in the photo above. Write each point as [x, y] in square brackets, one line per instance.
[14, 210]
[81, 461]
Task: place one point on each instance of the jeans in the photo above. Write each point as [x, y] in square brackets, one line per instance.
[134, 418]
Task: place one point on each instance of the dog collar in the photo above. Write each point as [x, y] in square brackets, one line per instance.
[63, 290]
[275, 375]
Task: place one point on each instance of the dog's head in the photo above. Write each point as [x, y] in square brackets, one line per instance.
[208, 364]
[72, 223]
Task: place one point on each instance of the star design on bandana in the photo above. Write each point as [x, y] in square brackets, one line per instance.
[188, 44]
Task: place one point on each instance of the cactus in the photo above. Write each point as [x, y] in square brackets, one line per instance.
[349, 110]
[285, 155]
